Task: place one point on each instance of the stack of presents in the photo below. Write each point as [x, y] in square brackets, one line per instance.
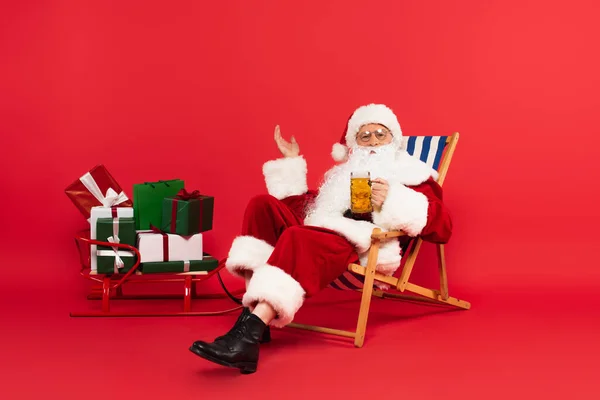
[164, 222]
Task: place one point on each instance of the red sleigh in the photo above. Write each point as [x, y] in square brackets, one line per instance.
[109, 287]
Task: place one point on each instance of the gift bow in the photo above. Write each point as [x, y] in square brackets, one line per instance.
[185, 195]
[111, 199]
[118, 261]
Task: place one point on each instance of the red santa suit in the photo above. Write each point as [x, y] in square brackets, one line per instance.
[295, 241]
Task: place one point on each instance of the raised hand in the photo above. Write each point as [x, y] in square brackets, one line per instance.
[287, 149]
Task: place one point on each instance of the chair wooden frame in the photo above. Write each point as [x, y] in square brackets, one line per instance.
[402, 283]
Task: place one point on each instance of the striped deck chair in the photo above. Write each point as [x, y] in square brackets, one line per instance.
[436, 151]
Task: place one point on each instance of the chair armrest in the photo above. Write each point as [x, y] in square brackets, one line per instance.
[377, 234]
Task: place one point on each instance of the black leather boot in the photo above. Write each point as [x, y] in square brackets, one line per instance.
[238, 348]
[266, 337]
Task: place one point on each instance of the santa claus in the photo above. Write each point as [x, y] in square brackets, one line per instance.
[295, 241]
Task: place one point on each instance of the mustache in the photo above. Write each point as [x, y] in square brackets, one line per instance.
[365, 153]
[376, 149]
[378, 160]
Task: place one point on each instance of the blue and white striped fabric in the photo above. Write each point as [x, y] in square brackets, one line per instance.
[428, 149]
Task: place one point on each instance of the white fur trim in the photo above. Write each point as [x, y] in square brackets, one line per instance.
[404, 209]
[373, 114]
[388, 257]
[277, 288]
[357, 232]
[247, 253]
[286, 177]
[339, 152]
[410, 170]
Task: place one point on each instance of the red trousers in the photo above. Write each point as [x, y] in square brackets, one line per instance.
[286, 261]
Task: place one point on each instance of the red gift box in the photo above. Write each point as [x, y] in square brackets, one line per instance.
[96, 188]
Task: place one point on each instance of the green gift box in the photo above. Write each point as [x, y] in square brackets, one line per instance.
[109, 228]
[187, 213]
[208, 263]
[107, 263]
[148, 198]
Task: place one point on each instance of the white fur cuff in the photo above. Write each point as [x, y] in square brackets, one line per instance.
[247, 253]
[404, 209]
[277, 288]
[286, 177]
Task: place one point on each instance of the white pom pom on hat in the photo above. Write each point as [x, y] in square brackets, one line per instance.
[339, 152]
[368, 114]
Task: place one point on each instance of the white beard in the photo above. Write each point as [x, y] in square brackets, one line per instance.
[334, 192]
[379, 161]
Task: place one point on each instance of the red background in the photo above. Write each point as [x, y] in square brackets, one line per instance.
[193, 90]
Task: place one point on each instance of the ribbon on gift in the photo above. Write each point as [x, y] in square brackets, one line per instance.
[115, 239]
[118, 260]
[110, 199]
[185, 196]
[174, 215]
[165, 241]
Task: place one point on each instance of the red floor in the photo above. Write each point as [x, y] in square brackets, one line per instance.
[509, 345]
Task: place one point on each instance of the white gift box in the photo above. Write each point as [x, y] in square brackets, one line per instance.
[179, 248]
[103, 212]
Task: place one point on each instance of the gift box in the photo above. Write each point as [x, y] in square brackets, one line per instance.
[208, 263]
[161, 246]
[148, 198]
[115, 230]
[96, 188]
[187, 213]
[110, 213]
[114, 261]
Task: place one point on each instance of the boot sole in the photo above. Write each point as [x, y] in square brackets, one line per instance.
[244, 367]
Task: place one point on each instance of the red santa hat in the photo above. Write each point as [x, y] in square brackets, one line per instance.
[368, 114]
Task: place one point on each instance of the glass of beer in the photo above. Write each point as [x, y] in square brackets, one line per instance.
[360, 192]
